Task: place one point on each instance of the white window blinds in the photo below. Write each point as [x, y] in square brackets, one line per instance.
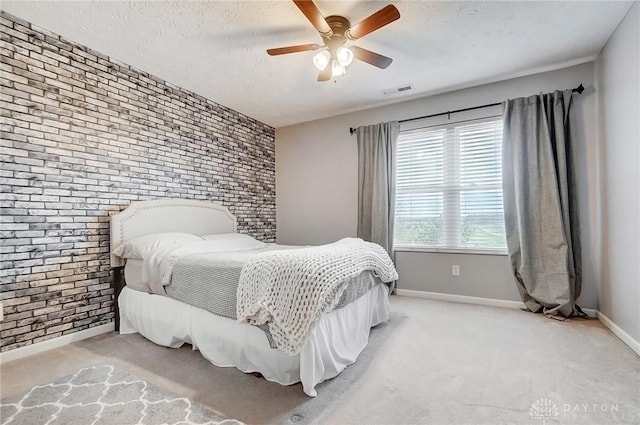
[448, 190]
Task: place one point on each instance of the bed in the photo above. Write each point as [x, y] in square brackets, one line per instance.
[333, 342]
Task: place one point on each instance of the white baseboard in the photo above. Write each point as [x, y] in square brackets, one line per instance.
[617, 331]
[50, 344]
[460, 298]
[473, 300]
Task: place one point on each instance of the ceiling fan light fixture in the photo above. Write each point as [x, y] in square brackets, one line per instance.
[344, 56]
[337, 70]
[334, 58]
[322, 59]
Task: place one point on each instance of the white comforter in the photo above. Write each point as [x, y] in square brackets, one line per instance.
[157, 267]
[290, 290]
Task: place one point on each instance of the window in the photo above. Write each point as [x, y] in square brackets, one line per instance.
[449, 189]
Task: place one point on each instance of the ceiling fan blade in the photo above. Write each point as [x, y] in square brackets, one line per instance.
[382, 17]
[370, 57]
[292, 49]
[325, 74]
[314, 16]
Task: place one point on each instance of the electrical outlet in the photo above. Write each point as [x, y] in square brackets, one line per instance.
[455, 270]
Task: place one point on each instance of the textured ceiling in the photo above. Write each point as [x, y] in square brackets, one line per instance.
[217, 48]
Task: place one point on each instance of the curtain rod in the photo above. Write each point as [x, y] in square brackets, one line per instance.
[352, 130]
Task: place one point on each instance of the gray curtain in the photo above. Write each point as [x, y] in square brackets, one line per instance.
[540, 202]
[377, 183]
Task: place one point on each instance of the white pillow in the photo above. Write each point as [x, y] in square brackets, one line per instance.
[138, 248]
[227, 236]
[233, 241]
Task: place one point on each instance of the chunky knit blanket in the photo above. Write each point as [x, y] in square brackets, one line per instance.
[291, 290]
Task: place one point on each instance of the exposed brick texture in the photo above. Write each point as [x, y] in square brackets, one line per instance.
[83, 135]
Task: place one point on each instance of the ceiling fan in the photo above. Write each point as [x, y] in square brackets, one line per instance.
[335, 31]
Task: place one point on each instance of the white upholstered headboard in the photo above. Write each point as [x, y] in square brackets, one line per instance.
[169, 215]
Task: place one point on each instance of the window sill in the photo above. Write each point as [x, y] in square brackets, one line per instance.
[431, 250]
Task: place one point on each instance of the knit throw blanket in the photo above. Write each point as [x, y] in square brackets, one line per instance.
[291, 290]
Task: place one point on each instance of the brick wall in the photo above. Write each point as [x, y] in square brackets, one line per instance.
[84, 135]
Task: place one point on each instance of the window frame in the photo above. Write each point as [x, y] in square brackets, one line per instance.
[452, 204]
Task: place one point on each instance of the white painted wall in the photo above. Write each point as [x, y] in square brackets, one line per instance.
[618, 87]
[316, 184]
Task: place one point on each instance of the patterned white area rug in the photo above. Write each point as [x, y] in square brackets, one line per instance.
[104, 395]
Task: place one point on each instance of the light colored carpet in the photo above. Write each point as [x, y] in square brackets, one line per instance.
[434, 363]
[104, 395]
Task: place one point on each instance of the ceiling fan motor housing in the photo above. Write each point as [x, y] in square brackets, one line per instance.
[339, 25]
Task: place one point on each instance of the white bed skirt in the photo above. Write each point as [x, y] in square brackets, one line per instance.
[335, 343]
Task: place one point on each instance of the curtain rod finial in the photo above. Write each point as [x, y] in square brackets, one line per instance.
[579, 89]
[352, 130]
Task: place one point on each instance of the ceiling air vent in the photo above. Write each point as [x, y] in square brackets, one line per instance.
[400, 89]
